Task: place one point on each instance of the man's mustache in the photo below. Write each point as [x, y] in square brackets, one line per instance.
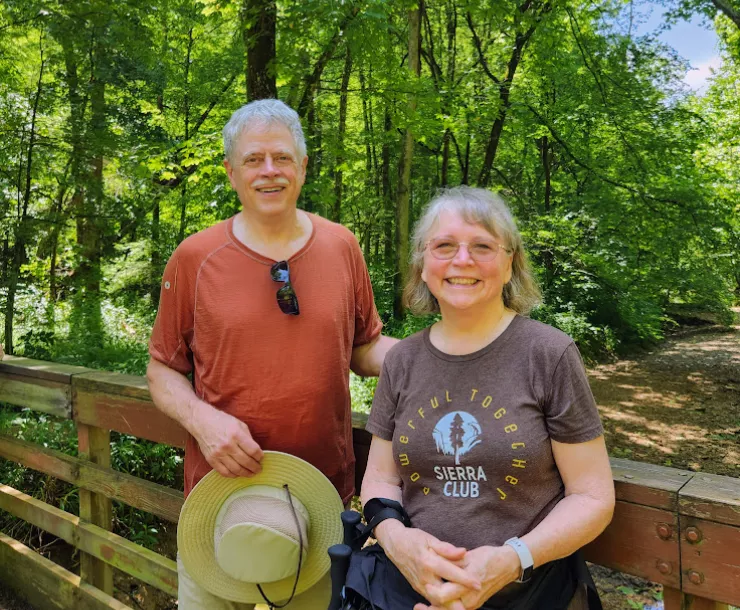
[279, 180]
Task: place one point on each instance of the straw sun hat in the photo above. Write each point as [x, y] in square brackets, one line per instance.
[238, 534]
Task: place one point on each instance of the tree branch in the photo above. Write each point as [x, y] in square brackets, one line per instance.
[728, 10]
[479, 47]
[318, 69]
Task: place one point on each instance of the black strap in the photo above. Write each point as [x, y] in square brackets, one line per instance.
[378, 510]
[273, 605]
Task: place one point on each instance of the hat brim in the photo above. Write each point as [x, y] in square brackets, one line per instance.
[198, 518]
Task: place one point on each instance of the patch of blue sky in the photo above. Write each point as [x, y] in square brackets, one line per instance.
[694, 40]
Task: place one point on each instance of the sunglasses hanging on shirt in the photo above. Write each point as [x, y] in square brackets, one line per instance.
[286, 296]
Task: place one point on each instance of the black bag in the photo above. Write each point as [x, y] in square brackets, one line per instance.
[374, 582]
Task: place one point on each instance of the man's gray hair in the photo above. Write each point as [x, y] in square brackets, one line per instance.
[261, 113]
[475, 206]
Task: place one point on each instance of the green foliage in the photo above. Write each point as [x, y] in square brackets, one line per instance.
[362, 390]
[49, 432]
[625, 185]
[151, 461]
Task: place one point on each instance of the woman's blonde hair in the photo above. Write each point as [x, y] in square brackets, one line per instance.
[475, 206]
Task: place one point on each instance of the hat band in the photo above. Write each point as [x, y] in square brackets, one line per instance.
[272, 605]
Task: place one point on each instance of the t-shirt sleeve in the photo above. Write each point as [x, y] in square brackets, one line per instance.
[367, 321]
[173, 328]
[382, 421]
[570, 408]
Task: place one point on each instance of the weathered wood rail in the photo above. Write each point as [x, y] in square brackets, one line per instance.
[674, 527]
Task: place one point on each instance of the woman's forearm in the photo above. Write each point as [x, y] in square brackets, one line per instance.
[379, 489]
[574, 522]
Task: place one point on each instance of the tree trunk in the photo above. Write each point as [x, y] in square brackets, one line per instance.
[87, 320]
[545, 156]
[548, 259]
[388, 212]
[186, 133]
[403, 206]
[183, 212]
[341, 157]
[313, 143]
[22, 233]
[451, 13]
[314, 79]
[259, 19]
[728, 10]
[504, 85]
[484, 178]
[370, 176]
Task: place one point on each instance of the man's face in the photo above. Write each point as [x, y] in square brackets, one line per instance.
[265, 171]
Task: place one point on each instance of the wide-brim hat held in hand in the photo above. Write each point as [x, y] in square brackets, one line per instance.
[243, 538]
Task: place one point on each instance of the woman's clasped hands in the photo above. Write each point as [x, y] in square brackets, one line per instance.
[492, 567]
[429, 565]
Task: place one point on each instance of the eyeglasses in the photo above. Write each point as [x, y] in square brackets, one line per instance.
[445, 249]
[286, 296]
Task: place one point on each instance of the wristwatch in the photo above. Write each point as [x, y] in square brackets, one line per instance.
[525, 558]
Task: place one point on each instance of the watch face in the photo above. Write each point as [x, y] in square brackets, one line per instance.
[526, 574]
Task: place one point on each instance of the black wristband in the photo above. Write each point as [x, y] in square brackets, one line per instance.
[378, 510]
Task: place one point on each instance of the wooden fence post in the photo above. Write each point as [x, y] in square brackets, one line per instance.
[94, 445]
[674, 599]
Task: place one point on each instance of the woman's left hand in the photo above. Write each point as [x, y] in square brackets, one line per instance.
[494, 566]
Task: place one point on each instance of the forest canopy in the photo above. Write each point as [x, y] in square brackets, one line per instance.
[624, 181]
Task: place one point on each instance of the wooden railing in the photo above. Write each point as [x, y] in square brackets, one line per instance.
[674, 527]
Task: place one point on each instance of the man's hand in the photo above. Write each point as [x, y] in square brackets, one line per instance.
[428, 564]
[226, 442]
[493, 566]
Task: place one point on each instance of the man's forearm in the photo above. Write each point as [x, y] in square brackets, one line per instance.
[173, 394]
[367, 360]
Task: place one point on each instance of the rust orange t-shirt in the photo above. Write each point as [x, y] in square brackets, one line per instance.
[286, 377]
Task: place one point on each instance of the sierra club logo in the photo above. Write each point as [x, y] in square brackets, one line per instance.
[457, 434]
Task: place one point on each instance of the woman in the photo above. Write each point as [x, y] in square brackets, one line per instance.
[484, 427]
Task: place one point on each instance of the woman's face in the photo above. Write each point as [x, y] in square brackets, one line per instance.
[463, 283]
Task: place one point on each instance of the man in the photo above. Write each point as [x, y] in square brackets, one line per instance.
[267, 310]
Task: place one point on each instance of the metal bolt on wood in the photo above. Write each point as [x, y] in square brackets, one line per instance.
[665, 531]
[695, 577]
[693, 535]
[664, 567]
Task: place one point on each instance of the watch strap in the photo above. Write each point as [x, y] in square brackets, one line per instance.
[525, 558]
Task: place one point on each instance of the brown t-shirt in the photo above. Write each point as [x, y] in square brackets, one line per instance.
[471, 434]
[286, 376]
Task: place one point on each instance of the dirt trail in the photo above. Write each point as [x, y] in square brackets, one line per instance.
[677, 405]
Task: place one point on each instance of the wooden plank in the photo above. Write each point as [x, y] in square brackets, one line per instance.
[647, 484]
[43, 395]
[105, 382]
[711, 564]
[632, 544]
[672, 599]
[691, 602]
[126, 414]
[127, 556]
[359, 420]
[712, 497]
[93, 444]
[47, 585]
[40, 369]
[159, 500]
